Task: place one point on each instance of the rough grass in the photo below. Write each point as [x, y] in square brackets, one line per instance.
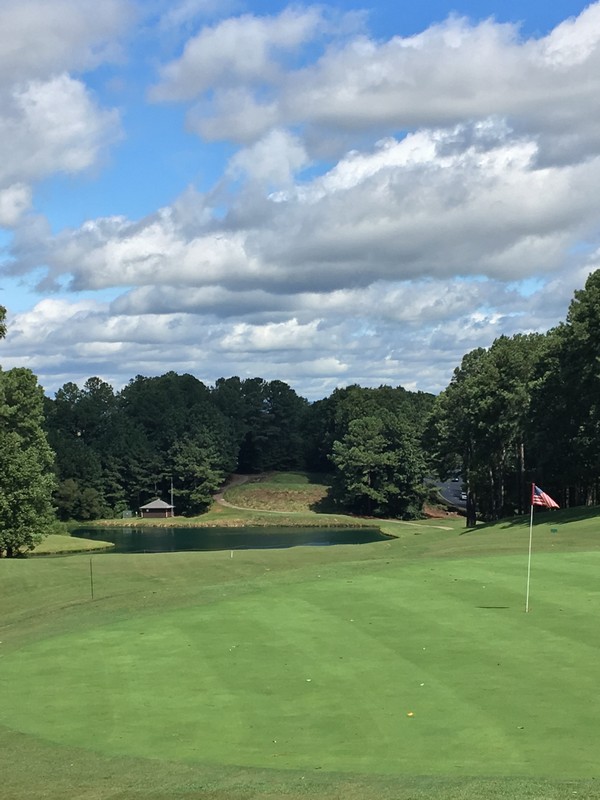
[291, 674]
[276, 495]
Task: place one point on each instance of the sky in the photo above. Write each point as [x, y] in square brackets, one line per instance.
[319, 194]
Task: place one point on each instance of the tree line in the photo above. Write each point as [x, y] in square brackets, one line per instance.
[526, 409]
[173, 434]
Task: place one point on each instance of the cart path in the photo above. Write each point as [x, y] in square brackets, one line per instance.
[234, 480]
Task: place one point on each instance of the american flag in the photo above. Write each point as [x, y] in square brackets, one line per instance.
[540, 498]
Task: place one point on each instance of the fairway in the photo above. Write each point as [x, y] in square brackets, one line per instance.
[311, 662]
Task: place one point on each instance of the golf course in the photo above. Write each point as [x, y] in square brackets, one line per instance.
[402, 669]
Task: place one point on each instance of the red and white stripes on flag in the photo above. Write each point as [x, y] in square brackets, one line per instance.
[540, 498]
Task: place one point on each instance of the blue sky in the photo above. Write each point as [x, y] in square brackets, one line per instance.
[321, 194]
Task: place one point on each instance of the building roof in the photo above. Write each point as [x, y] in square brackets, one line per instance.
[157, 504]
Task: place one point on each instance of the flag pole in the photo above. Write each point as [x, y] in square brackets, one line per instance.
[529, 559]
[539, 498]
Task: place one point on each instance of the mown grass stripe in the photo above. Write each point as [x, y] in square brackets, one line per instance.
[143, 677]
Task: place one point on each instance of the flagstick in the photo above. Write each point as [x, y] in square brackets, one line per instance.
[529, 559]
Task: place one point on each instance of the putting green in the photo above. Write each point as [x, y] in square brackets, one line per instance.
[323, 671]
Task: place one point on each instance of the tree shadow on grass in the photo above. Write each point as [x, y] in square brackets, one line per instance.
[326, 505]
[549, 516]
[320, 478]
[541, 516]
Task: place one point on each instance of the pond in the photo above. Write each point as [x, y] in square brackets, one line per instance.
[166, 540]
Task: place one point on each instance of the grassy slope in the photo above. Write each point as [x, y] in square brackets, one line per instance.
[295, 492]
[176, 680]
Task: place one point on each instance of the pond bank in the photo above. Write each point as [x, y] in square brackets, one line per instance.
[62, 544]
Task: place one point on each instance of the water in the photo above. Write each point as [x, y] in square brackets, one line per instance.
[167, 540]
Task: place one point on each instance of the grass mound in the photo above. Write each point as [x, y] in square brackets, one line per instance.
[283, 492]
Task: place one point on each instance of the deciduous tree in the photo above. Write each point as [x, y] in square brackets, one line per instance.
[26, 460]
[480, 421]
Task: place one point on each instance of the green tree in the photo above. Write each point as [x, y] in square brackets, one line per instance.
[228, 397]
[2, 322]
[565, 420]
[66, 498]
[77, 421]
[283, 419]
[254, 443]
[91, 505]
[379, 468]
[26, 461]
[266, 419]
[327, 420]
[198, 476]
[479, 424]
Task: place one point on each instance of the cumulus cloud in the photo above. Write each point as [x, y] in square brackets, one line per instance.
[40, 38]
[287, 336]
[50, 121]
[451, 72]
[387, 205]
[272, 161]
[52, 126]
[407, 209]
[238, 50]
[412, 334]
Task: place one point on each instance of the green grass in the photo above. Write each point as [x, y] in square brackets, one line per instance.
[291, 674]
[56, 543]
[296, 478]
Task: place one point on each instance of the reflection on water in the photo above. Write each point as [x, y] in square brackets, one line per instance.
[165, 540]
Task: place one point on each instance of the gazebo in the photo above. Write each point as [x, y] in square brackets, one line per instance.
[157, 508]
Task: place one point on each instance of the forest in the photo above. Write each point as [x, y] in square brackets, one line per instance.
[525, 409]
[117, 450]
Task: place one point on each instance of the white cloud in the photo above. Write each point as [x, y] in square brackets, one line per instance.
[186, 13]
[237, 50]
[40, 38]
[50, 121]
[52, 126]
[15, 200]
[112, 252]
[272, 161]
[47, 320]
[546, 87]
[410, 334]
[236, 110]
[574, 41]
[287, 336]
[419, 207]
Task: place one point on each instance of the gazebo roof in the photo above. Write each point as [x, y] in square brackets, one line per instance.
[157, 504]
